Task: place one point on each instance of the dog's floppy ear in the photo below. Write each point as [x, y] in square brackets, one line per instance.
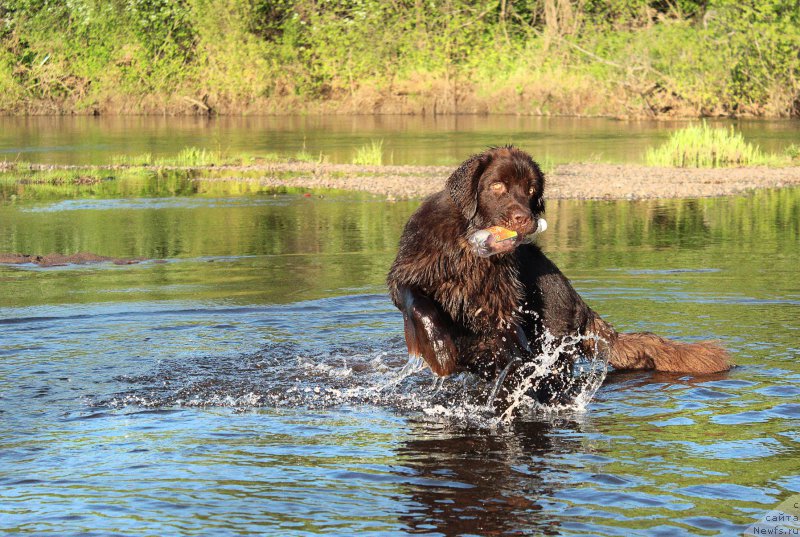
[463, 184]
[537, 201]
[537, 205]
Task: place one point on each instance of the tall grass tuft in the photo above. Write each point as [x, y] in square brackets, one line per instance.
[193, 156]
[303, 156]
[370, 154]
[145, 159]
[701, 146]
[792, 152]
[188, 157]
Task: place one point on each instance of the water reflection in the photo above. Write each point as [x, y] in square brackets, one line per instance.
[407, 139]
[246, 385]
[484, 483]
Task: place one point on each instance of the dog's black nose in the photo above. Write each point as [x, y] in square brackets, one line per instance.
[521, 218]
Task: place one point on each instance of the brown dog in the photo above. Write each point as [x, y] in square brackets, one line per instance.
[462, 311]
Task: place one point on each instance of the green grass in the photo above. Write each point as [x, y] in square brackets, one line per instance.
[701, 146]
[199, 171]
[53, 177]
[145, 159]
[26, 184]
[189, 157]
[370, 154]
[194, 157]
[792, 152]
[303, 156]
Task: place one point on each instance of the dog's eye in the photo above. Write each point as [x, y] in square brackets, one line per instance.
[498, 187]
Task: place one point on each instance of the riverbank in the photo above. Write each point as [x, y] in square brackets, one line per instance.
[567, 181]
[548, 58]
[570, 181]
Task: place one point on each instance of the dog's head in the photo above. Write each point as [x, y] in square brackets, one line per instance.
[502, 186]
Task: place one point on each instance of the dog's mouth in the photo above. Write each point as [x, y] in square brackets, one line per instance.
[494, 240]
[516, 234]
[522, 230]
[499, 239]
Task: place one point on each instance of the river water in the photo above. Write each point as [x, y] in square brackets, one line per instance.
[251, 377]
[444, 140]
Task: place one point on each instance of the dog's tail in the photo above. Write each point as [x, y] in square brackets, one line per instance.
[645, 350]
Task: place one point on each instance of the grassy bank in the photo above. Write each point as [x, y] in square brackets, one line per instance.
[701, 146]
[695, 162]
[619, 58]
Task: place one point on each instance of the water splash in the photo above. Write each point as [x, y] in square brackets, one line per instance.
[577, 386]
[291, 375]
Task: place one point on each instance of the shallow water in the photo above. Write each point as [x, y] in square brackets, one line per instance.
[257, 382]
[441, 140]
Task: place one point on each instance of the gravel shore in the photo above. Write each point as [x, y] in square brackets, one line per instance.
[567, 181]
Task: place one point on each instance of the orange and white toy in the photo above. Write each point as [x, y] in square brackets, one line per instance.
[497, 239]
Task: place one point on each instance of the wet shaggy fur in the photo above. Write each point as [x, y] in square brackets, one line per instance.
[462, 311]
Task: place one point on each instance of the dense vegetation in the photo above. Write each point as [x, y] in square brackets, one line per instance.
[617, 57]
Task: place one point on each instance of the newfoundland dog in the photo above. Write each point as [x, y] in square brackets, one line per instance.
[468, 312]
